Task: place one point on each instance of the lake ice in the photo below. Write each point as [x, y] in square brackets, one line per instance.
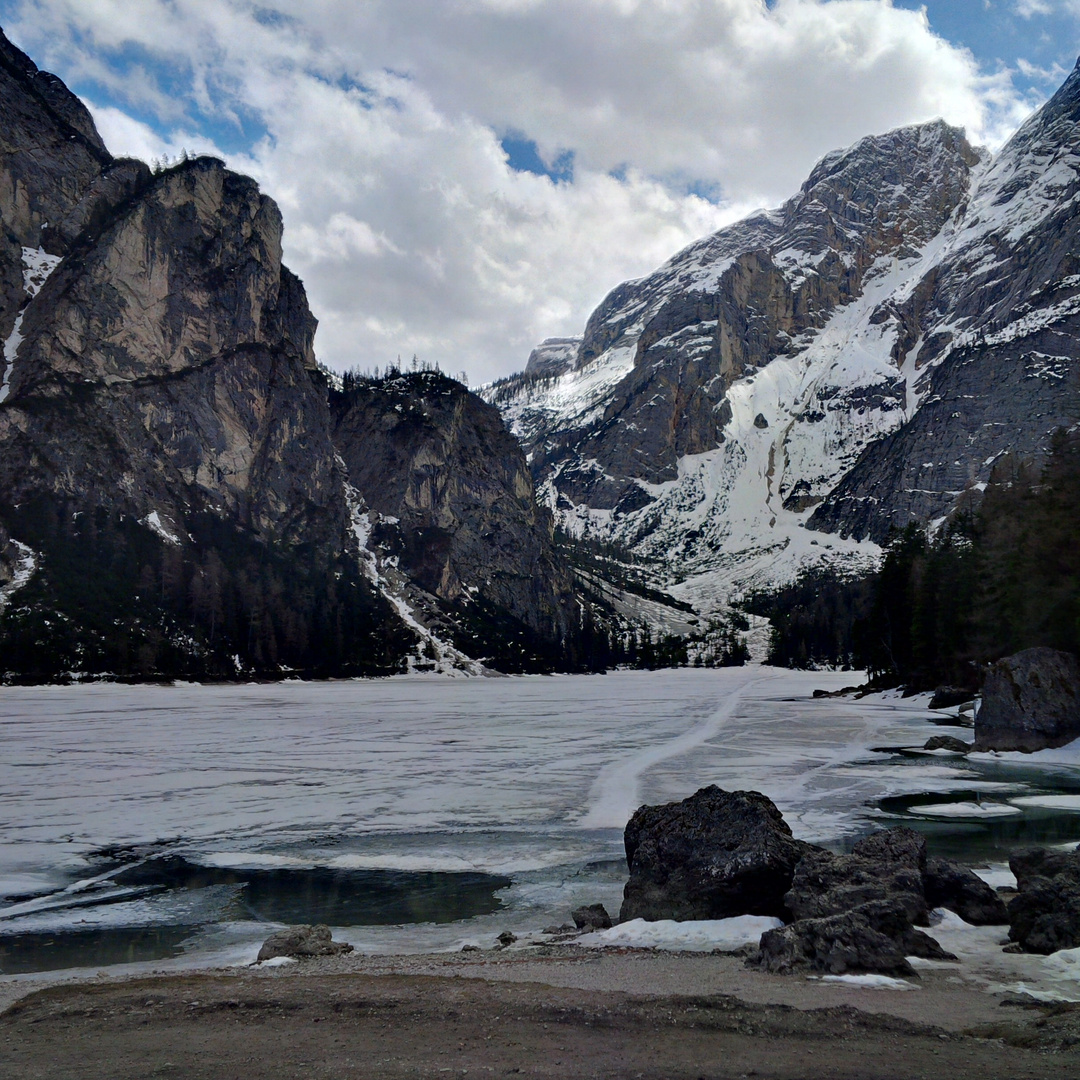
[146, 822]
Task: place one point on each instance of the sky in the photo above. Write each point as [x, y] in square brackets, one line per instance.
[461, 179]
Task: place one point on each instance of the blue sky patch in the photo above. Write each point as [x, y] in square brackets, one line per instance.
[523, 155]
[999, 38]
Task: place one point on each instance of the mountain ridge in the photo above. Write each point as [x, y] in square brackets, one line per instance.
[753, 407]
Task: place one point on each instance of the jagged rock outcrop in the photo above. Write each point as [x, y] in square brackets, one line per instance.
[748, 373]
[827, 884]
[50, 150]
[719, 854]
[175, 352]
[174, 491]
[50, 156]
[552, 357]
[164, 423]
[993, 329]
[301, 942]
[1030, 701]
[900, 846]
[949, 885]
[873, 937]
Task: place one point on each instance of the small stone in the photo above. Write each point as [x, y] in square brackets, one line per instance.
[947, 742]
[300, 942]
[591, 917]
[506, 938]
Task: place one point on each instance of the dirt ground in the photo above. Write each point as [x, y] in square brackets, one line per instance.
[351, 1024]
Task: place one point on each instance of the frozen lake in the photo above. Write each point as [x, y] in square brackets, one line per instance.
[141, 823]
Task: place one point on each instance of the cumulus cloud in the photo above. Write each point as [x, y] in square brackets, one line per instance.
[378, 127]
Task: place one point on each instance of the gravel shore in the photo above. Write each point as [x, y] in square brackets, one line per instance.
[551, 1011]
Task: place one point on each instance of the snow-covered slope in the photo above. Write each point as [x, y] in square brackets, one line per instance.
[994, 336]
[852, 360]
[714, 402]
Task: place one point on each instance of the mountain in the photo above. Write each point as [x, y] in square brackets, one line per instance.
[183, 490]
[785, 391]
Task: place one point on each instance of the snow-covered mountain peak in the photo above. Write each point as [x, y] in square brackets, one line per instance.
[721, 405]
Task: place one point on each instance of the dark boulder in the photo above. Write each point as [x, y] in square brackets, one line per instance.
[948, 697]
[876, 937]
[825, 884]
[949, 885]
[1044, 916]
[591, 917]
[902, 846]
[1028, 864]
[1030, 701]
[711, 856]
[947, 742]
[301, 942]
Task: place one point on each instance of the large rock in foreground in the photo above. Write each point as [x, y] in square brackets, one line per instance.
[712, 856]
[950, 885]
[826, 884]
[874, 937]
[1045, 913]
[1031, 701]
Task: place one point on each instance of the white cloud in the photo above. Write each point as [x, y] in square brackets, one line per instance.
[382, 124]
[1030, 8]
[127, 137]
[1027, 8]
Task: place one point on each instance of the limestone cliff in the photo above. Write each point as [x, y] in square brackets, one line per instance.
[713, 402]
[175, 489]
[993, 333]
[455, 496]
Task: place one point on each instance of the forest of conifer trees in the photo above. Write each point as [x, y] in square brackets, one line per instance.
[1002, 575]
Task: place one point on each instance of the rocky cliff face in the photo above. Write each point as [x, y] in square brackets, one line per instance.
[851, 361]
[440, 463]
[175, 353]
[992, 335]
[175, 488]
[450, 499]
[50, 157]
[713, 402]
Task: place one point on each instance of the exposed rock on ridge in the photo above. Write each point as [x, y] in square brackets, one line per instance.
[994, 329]
[715, 400]
[50, 156]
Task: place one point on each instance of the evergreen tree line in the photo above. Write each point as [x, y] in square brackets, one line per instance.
[998, 578]
[110, 596]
